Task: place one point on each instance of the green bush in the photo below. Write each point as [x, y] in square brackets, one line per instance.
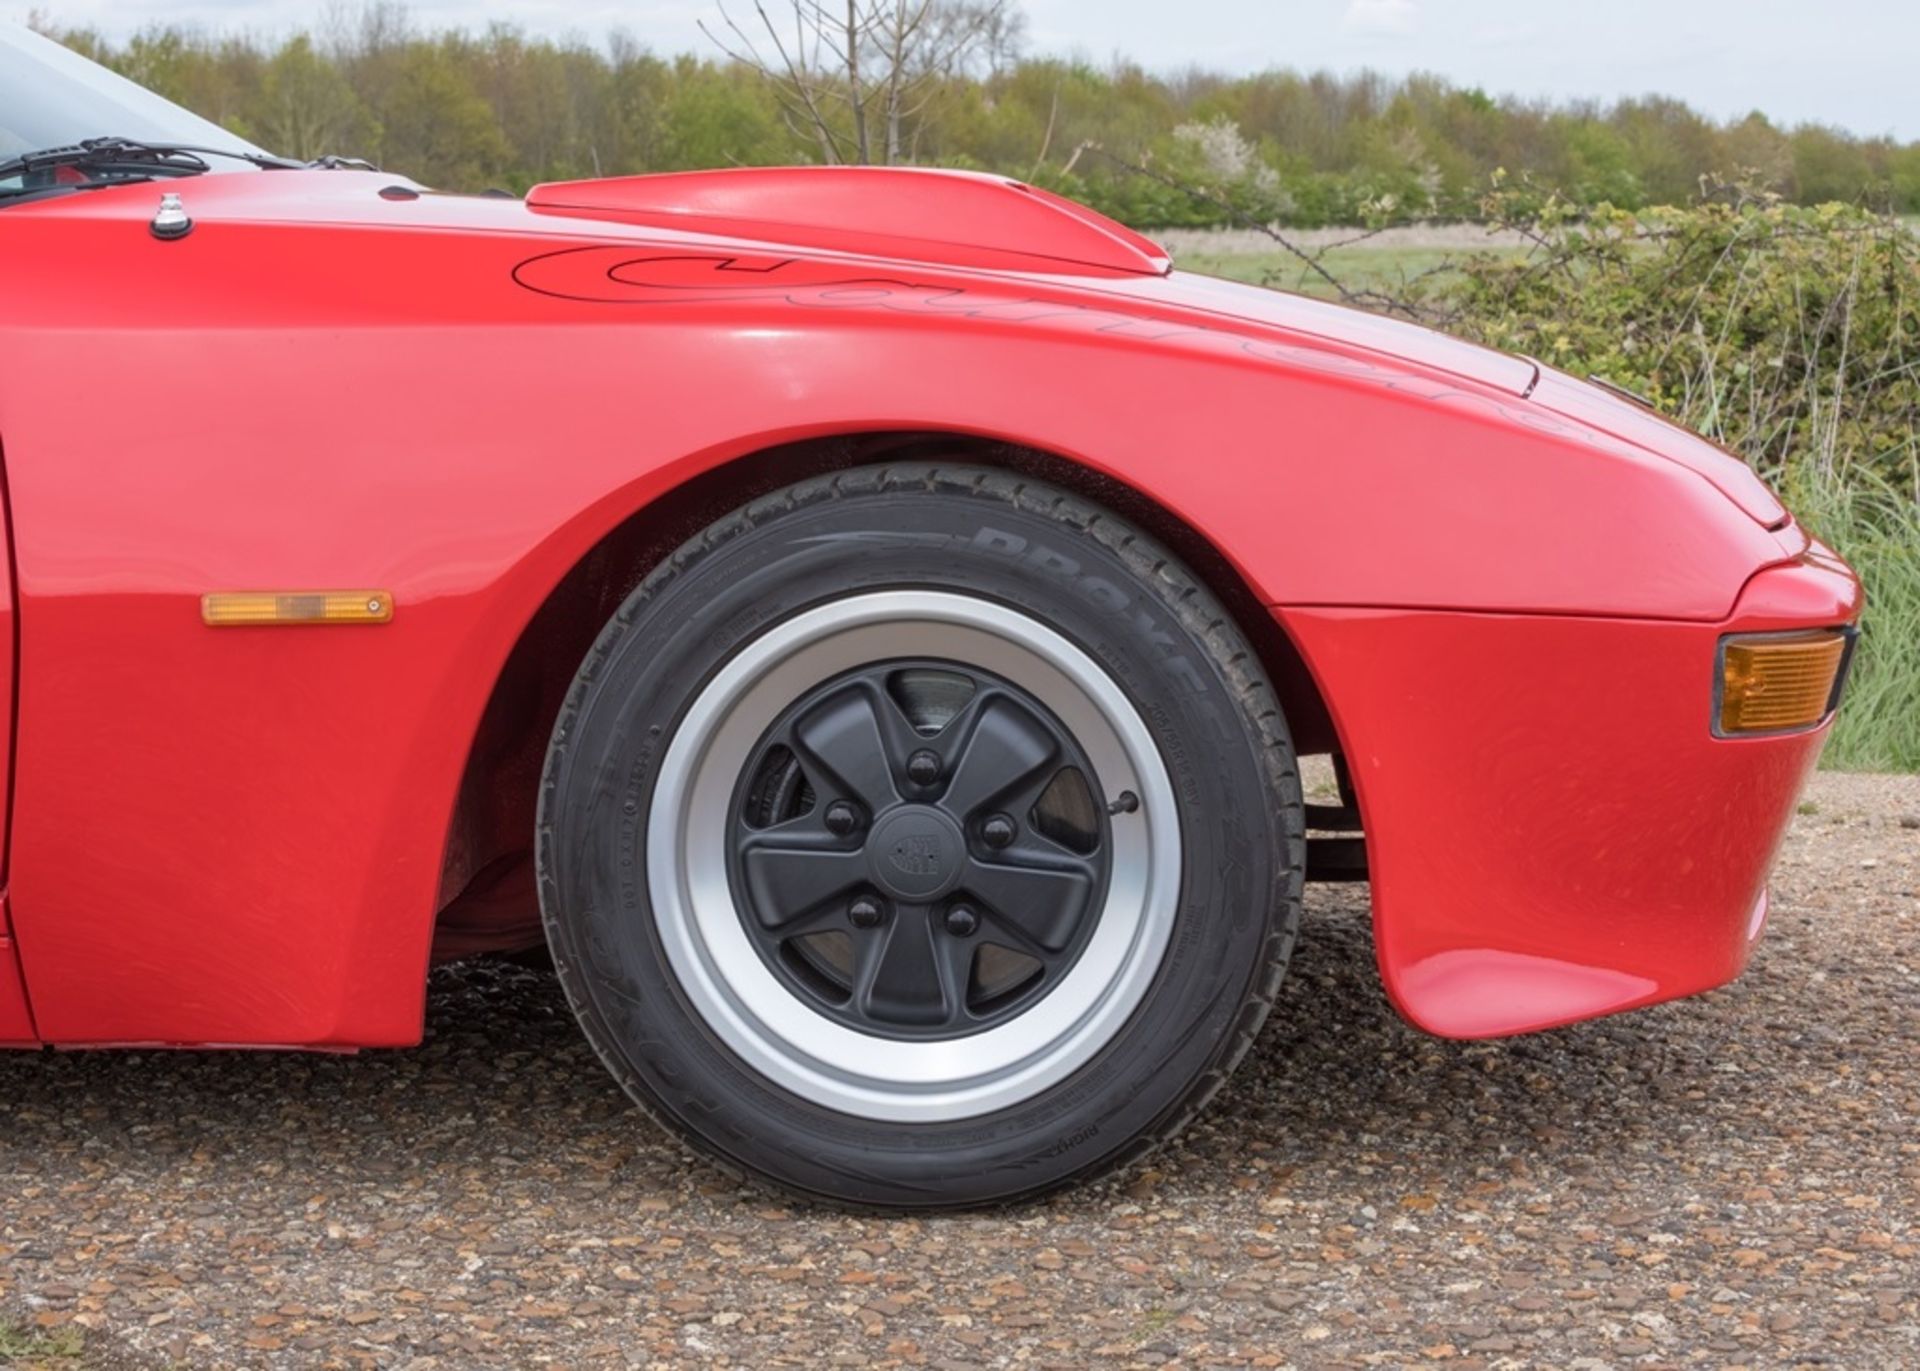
[1789, 334]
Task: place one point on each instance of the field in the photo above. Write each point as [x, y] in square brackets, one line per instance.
[1387, 261]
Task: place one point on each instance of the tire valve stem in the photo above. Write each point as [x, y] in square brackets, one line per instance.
[1126, 803]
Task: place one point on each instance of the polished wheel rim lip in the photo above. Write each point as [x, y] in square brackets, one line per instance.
[786, 1039]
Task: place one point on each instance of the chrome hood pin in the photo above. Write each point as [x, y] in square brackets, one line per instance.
[171, 220]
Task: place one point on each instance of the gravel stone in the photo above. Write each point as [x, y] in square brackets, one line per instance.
[1732, 1180]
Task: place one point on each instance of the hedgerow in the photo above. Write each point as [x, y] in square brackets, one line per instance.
[1790, 334]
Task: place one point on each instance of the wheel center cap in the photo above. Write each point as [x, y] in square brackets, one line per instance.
[915, 852]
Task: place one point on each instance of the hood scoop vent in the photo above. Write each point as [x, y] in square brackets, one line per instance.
[944, 218]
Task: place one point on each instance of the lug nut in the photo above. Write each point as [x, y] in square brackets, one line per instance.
[923, 767]
[998, 831]
[865, 912]
[842, 818]
[962, 922]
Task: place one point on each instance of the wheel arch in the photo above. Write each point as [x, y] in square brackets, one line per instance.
[485, 899]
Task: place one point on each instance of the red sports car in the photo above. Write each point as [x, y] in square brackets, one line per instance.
[866, 623]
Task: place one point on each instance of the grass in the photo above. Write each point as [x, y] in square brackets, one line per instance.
[22, 1347]
[1877, 527]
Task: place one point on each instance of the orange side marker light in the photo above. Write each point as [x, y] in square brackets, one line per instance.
[1778, 682]
[235, 609]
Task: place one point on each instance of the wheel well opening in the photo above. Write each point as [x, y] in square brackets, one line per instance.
[487, 899]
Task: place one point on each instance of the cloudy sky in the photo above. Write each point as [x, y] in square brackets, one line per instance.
[1845, 62]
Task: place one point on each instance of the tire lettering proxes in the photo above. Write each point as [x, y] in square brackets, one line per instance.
[1098, 590]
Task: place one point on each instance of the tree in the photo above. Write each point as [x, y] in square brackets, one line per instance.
[855, 75]
[436, 125]
[307, 108]
[937, 82]
[1827, 165]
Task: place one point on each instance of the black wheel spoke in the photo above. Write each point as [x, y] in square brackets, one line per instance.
[1043, 905]
[902, 979]
[1003, 749]
[845, 737]
[954, 957]
[787, 882]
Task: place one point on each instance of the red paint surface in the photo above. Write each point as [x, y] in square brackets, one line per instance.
[235, 836]
[16, 1023]
[1647, 429]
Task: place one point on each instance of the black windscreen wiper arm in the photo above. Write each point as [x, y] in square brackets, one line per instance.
[179, 157]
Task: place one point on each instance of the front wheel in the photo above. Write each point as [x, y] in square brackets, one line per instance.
[921, 837]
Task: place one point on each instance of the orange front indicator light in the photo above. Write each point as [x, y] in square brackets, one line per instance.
[1779, 682]
[234, 609]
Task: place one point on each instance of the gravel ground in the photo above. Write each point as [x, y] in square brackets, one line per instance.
[1729, 1181]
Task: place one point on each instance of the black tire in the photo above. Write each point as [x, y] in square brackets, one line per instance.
[1097, 582]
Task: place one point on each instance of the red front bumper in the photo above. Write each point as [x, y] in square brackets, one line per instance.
[1553, 831]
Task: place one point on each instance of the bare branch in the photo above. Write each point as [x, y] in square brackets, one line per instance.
[865, 73]
[792, 76]
[1046, 139]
